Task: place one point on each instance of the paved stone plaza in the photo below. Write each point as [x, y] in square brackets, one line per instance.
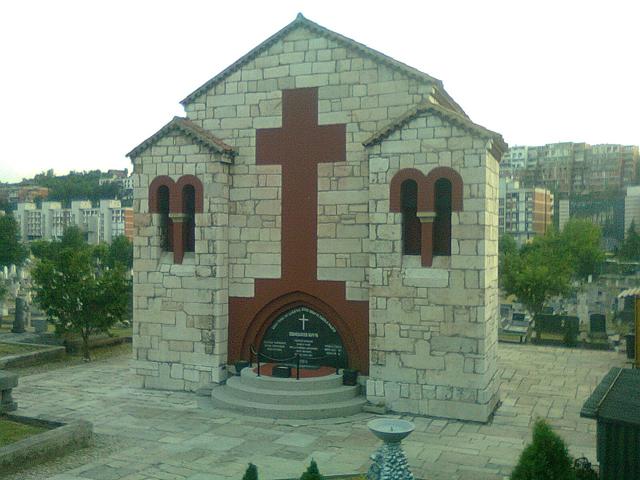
[144, 434]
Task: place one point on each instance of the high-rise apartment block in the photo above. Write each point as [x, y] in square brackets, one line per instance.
[48, 222]
[523, 212]
[632, 208]
[573, 168]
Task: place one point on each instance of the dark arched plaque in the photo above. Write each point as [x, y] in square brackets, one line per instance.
[306, 332]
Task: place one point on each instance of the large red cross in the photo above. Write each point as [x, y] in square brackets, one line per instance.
[299, 146]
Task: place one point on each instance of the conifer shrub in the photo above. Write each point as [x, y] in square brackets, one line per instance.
[312, 472]
[251, 473]
[545, 458]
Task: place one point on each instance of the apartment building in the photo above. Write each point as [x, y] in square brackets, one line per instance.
[102, 223]
[573, 168]
[632, 208]
[524, 212]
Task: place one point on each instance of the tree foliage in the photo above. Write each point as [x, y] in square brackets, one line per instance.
[630, 248]
[580, 241]
[120, 252]
[251, 473]
[536, 272]
[79, 294]
[507, 249]
[11, 250]
[545, 458]
[545, 267]
[312, 472]
[76, 186]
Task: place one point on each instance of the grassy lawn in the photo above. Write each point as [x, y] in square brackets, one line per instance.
[12, 431]
[121, 331]
[14, 349]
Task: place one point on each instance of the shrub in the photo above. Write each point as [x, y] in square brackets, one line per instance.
[583, 469]
[545, 458]
[312, 472]
[251, 473]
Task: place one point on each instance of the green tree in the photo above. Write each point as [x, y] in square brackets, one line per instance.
[251, 473]
[630, 249]
[11, 250]
[507, 245]
[545, 458]
[536, 273]
[120, 251]
[580, 241]
[76, 186]
[78, 295]
[312, 472]
[4, 205]
[507, 249]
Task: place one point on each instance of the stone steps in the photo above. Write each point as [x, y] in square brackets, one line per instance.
[307, 398]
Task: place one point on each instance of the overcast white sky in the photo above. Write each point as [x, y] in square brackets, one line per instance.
[83, 82]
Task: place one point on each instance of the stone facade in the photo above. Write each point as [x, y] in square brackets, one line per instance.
[432, 323]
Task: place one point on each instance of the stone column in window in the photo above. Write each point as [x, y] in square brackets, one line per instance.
[426, 248]
[178, 241]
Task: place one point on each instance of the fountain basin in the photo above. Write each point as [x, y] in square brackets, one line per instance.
[390, 430]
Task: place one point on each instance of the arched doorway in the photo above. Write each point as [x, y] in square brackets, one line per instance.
[353, 338]
[303, 331]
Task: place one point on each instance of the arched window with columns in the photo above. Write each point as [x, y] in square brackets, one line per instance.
[426, 203]
[177, 204]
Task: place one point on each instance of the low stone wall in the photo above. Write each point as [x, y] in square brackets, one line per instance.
[75, 345]
[38, 448]
[47, 353]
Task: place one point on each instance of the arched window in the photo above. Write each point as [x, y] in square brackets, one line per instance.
[189, 221]
[442, 221]
[411, 235]
[166, 225]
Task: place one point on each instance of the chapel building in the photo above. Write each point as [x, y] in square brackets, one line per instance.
[322, 198]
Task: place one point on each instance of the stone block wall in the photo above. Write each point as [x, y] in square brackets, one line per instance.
[433, 330]
[180, 310]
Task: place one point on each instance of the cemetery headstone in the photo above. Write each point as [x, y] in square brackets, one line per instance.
[7, 382]
[560, 329]
[598, 323]
[20, 315]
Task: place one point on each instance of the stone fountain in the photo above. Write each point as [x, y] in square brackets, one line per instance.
[389, 461]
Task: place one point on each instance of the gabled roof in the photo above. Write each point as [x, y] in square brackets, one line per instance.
[449, 115]
[302, 22]
[191, 130]
[616, 398]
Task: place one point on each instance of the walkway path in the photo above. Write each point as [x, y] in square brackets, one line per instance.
[142, 434]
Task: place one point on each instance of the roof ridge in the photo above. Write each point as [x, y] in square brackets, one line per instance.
[302, 21]
[191, 130]
[428, 105]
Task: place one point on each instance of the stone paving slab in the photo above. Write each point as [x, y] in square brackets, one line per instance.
[158, 435]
